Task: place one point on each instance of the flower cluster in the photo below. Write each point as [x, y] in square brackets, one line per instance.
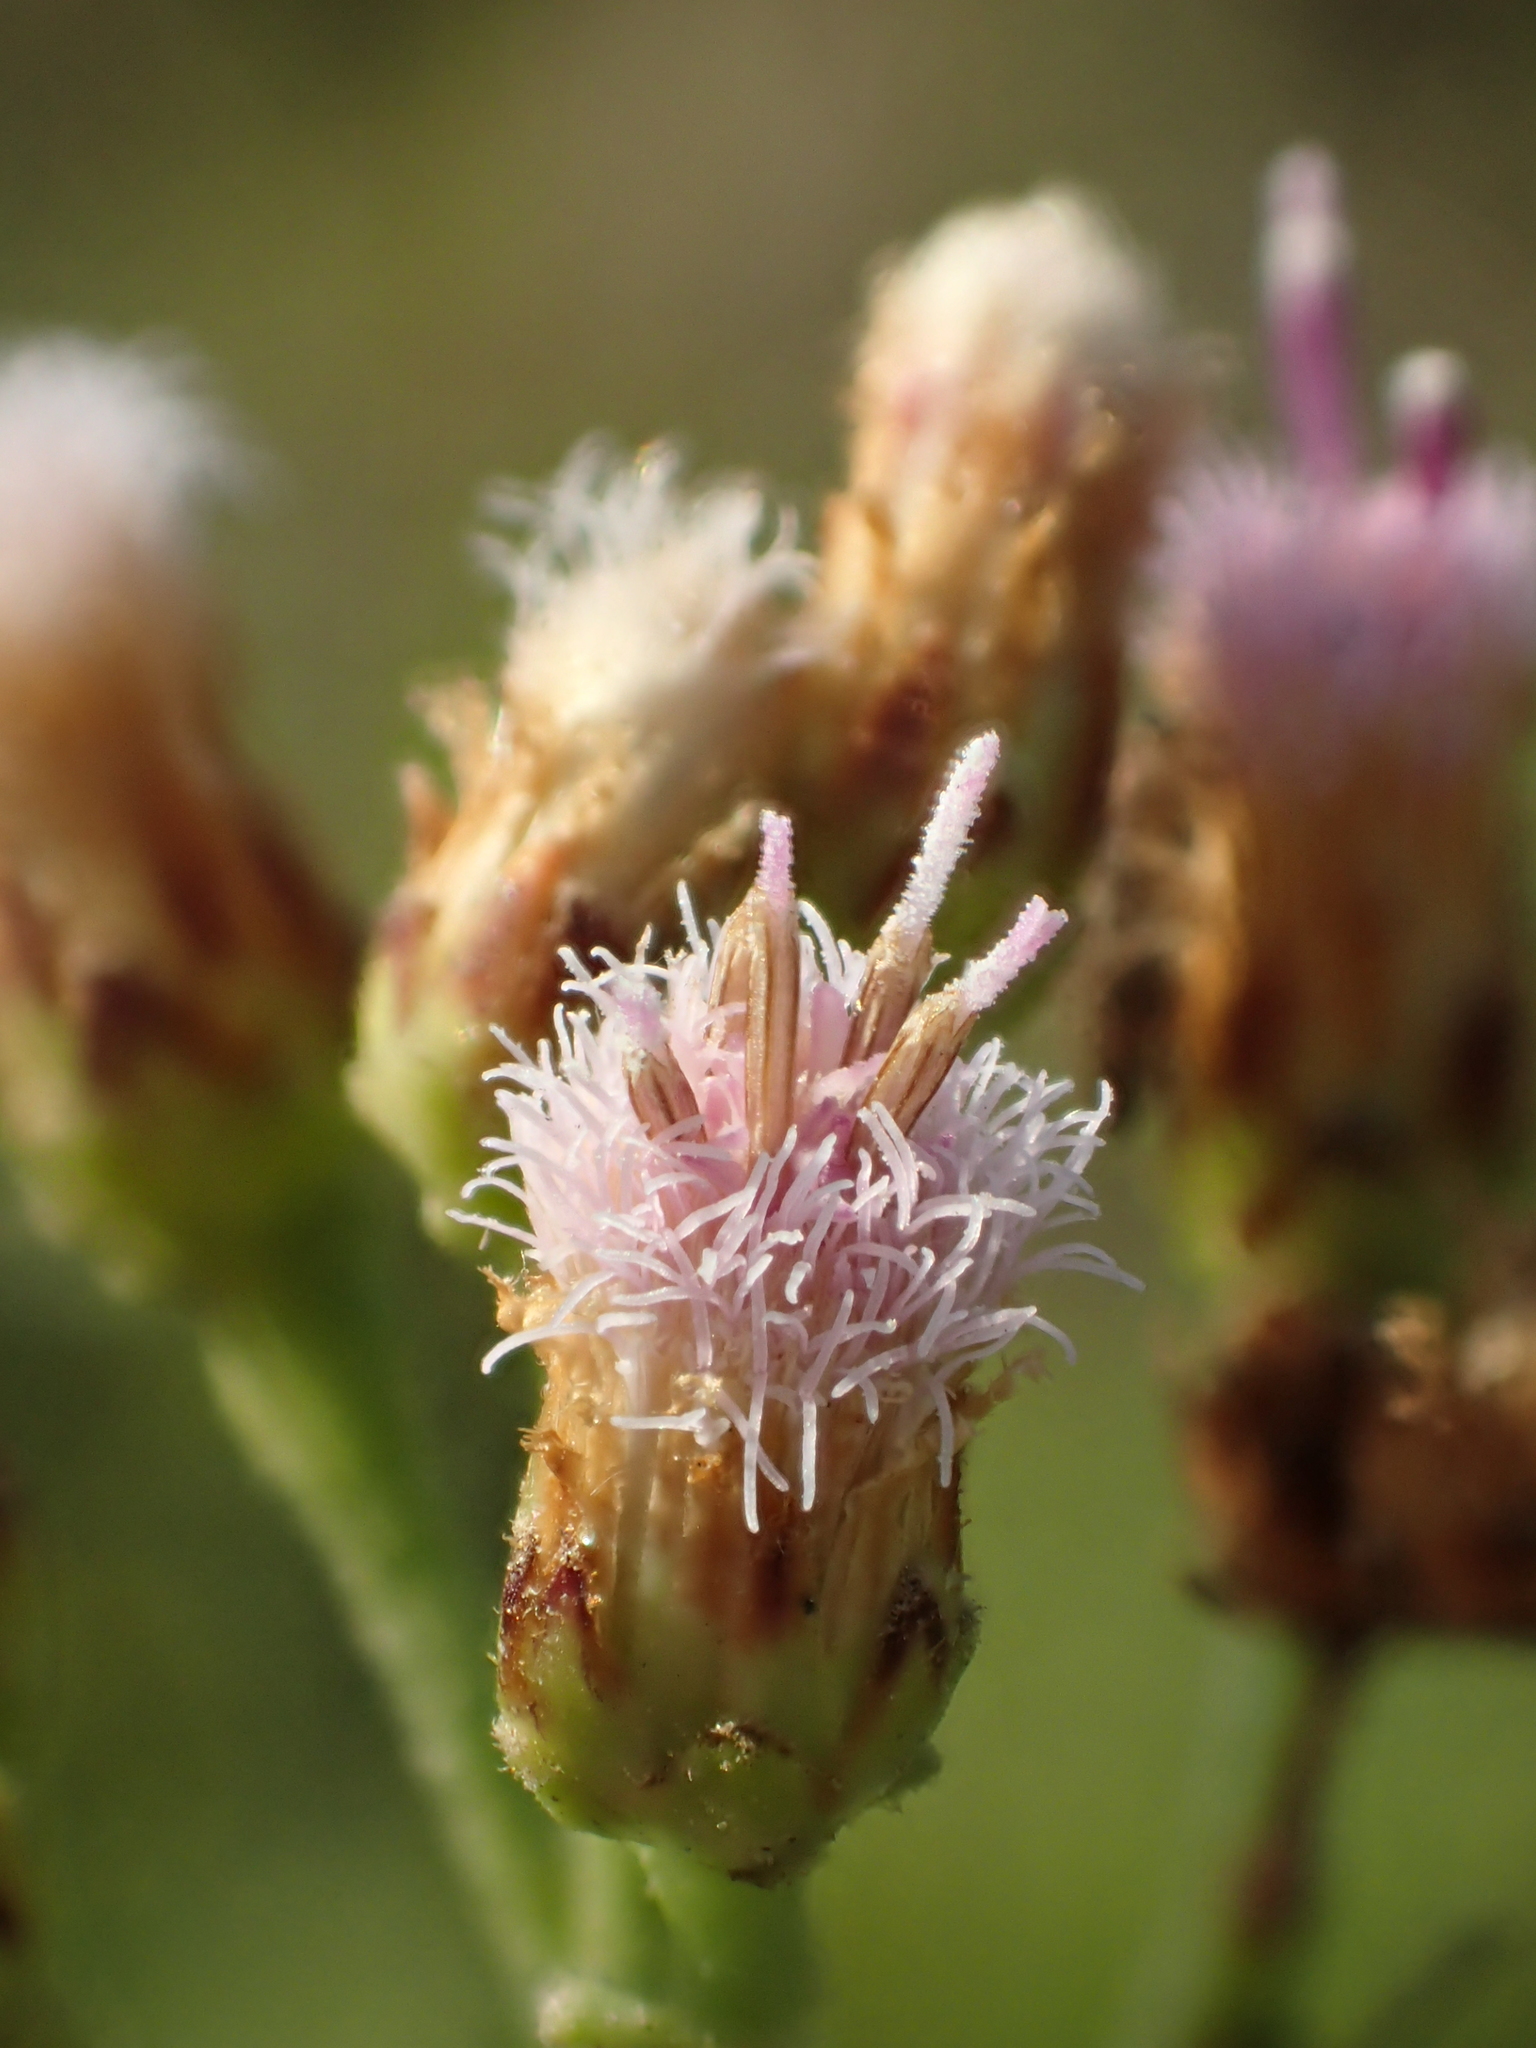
[676, 662]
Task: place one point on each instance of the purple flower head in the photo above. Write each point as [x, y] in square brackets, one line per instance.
[1307, 611]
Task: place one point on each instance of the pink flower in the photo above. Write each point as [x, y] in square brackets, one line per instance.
[1312, 615]
[762, 1173]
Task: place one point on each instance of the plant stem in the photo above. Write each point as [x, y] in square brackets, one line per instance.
[304, 1354]
[1254, 2001]
[743, 1955]
[667, 1952]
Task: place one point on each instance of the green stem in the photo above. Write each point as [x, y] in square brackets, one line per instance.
[304, 1357]
[666, 1952]
[743, 1955]
[1254, 2005]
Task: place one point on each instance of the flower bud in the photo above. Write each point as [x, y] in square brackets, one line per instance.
[777, 1223]
[636, 711]
[1015, 402]
[1308, 923]
[173, 984]
[1358, 1478]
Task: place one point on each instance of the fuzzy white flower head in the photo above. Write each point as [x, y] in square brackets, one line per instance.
[105, 458]
[1002, 311]
[636, 717]
[770, 1183]
[638, 602]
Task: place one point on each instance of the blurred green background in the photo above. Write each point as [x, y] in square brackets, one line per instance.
[422, 245]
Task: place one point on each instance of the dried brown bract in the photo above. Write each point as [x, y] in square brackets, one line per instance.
[1361, 1478]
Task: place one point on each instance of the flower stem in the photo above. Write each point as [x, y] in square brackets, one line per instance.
[666, 1951]
[304, 1353]
[1253, 2005]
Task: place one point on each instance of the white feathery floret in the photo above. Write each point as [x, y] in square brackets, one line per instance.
[999, 299]
[637, 600]
[106, 453]
[853, 1263]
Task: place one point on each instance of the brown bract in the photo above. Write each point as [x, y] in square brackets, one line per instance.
[1339, 967]
[150, 899]
[1002, 605]
[1357, 1479]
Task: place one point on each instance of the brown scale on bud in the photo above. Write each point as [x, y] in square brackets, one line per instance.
[1163, 938]
[1359, 1478]
[894, 977]
[925, 1048]
[929, 1041]
[761, 943]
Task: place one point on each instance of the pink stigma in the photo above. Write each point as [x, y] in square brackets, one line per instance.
[985, 979]
[944, 837]
[1307, 265]
[775, 865]
[1429, 409]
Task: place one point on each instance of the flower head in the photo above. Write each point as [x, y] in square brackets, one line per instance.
[772, 1201]
[776, 1221]
[1315, 617]
[1015, 400]
[1308, 908]
[1361, 1473]
[989, 347]
[636, 714]
[169, 967]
